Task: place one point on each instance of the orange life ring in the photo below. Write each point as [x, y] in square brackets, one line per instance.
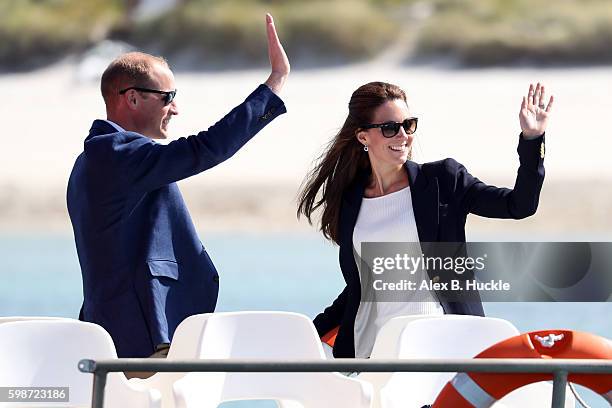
[469, 390]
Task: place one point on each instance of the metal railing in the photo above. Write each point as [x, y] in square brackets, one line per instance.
[559, 368]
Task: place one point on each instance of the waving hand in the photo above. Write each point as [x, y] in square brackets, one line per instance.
[535, 111]
[278, 58]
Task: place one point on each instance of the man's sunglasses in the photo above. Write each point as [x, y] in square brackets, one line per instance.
[390, 129]
[168, 95]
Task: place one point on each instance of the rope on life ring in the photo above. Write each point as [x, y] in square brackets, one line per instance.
[481, 390]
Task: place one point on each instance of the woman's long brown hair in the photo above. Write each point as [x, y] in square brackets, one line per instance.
[344, 159]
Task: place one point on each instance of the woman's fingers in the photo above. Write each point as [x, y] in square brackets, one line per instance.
[530, 96]
[550, 103]
[542, 101]
[536, 96]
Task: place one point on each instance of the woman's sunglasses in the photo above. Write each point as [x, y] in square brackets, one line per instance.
[390, 129]
[168, 95]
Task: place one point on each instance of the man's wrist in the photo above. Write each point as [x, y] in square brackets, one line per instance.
[275, 82]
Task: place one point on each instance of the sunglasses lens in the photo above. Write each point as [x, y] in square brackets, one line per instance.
[170, 97]
[410, 126]
[390, 129]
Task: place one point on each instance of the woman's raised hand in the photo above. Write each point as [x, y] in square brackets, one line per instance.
[535, 111]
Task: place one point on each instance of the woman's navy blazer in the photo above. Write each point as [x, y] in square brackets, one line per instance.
[443, 194]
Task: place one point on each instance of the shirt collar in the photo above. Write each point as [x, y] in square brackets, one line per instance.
[116, 126]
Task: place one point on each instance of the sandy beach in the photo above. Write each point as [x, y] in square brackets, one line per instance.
[471, 115]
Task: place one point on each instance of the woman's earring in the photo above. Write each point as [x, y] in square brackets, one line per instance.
[365, 148]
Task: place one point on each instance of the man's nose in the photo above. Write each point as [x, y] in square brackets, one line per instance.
[174, 108]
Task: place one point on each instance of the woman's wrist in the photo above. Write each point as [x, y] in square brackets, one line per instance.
[531, 136]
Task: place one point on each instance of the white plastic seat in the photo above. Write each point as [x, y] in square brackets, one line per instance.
[387, 347]
[268, 336]
[185, 346]
[10, 319]
[45, 353]
[450, 337]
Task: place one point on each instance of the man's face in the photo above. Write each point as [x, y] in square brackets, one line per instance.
[151, 114]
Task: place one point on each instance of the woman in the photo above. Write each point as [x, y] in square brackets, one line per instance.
[370, 191]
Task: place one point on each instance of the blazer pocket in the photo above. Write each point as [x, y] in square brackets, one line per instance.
[164, 268]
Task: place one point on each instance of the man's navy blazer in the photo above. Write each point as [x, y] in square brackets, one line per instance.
[144, 268]
[443, 194]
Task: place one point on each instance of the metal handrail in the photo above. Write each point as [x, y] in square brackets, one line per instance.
[559, 368]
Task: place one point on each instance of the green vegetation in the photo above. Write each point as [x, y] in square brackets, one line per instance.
[494, 32]
[36, 32]
[220, 33]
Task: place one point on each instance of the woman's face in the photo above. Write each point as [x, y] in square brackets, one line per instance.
[393, 151]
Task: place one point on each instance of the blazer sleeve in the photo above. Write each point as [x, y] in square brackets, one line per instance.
[478, 198]
[147, 165]
[331, 317]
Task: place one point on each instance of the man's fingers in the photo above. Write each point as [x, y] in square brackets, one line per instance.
[272, 36]
[278, 58]
[275, 48]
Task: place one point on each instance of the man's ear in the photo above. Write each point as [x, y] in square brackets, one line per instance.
[131, 100]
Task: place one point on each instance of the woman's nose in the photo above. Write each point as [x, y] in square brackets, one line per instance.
[403, 134]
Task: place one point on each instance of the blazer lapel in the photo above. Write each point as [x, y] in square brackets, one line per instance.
[425, 202]
[352, 205]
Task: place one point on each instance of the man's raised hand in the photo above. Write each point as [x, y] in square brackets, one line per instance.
[278, 58]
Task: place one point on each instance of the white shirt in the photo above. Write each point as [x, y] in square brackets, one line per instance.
[389, 218]
[113, 124]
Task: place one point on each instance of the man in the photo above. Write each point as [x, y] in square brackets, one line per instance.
[144, 268]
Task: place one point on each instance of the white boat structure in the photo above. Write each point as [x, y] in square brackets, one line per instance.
[277, 356]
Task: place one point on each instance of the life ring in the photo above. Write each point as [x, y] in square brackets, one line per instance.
[480, 390]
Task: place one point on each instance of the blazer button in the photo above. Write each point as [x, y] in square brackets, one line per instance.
[436, 279]
[443, 210]
[216, 278]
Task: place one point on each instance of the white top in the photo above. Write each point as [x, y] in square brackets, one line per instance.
[389, 218]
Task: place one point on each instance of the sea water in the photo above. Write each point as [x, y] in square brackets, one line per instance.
[40, 275]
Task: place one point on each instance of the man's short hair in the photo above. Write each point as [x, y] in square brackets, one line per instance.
[131, 69]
